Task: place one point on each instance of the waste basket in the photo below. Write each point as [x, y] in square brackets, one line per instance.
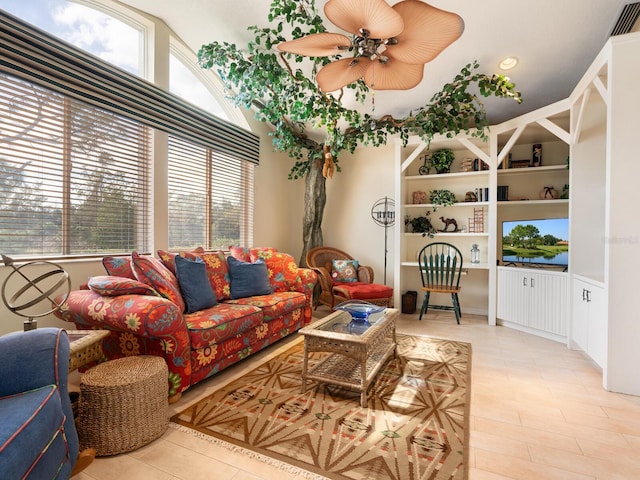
[409, 302]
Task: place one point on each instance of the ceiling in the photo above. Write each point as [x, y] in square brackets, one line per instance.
[554, 40]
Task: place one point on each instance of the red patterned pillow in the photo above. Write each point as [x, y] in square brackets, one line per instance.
[118, 266]
[112, 286]
[282, 269]
[218, 273]
[169, 258]
[241, 253]
[152, 271]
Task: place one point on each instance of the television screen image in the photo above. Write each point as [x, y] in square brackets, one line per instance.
[540, 242]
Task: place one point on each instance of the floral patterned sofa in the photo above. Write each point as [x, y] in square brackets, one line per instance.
[141, 302]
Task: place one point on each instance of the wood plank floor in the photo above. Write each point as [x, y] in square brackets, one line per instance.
[538, 411]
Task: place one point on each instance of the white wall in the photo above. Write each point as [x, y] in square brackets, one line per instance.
[366, 177]
[278, 201]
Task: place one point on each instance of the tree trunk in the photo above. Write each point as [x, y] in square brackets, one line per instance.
[315, 199]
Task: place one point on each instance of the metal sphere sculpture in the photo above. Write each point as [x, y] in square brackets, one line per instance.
[28, 293]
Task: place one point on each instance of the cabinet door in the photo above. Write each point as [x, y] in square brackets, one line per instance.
[580, 314]
[513, 296]
[597, 336]
[547, 302]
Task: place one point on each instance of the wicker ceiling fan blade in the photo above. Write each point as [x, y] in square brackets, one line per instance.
[427, 32]
[340, 73]
[376, 16]
[316, 45]
[393, 75]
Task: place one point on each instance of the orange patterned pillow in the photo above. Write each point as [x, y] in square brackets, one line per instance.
[261, 252]
[169, 258]
[282, 269]
[218, 273]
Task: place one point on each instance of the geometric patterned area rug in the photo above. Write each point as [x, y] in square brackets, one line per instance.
[415, 427]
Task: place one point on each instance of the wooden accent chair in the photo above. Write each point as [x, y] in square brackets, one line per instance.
[320, 259]
[440, 269]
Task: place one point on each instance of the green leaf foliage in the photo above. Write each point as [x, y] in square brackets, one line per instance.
[282, 90]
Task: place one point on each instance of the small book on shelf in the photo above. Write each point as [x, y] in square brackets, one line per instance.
[503, 193]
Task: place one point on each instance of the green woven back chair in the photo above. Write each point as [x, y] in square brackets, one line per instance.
[440, 269]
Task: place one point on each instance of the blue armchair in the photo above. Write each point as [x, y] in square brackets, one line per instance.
[38, 438]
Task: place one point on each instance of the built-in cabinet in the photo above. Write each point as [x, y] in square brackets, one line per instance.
[589, 318]
[605, 233]
[597, 124]
[480, 221]
[533, 301]
[471, 217]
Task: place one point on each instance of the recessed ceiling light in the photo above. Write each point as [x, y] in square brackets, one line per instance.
[508, 63]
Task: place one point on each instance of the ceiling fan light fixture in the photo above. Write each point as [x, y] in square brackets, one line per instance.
[508, 63]
[375, 17]
[410, 34]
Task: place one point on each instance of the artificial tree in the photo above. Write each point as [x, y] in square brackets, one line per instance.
[314, 127]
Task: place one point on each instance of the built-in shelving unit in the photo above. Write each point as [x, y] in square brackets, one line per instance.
[463, 212]
[594, 129]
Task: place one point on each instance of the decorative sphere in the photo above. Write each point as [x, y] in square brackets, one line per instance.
[32, 288]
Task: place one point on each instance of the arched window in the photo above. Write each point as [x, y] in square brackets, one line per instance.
[92, 195]
[94, 31]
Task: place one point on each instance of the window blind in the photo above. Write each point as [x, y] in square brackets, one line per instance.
[210, 197]
[74, 179]
[34, 55]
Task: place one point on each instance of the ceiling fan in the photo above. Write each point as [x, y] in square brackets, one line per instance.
[390, 45]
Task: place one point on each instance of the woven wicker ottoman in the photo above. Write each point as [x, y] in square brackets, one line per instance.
[123, 404]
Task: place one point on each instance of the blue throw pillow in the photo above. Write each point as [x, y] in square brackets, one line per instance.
[248, 279]
[194, 284]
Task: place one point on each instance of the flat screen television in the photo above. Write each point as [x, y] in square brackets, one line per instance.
[539, 242]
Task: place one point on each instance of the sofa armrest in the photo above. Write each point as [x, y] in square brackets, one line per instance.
[142, 325]
[33, 359]
[309, 280]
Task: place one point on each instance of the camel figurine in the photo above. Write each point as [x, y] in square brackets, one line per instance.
[447, 222]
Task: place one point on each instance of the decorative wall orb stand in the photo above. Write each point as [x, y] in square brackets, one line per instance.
[384, 214]
[31, 291]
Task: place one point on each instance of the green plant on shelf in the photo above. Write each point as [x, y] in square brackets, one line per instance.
[441, 198]
[441, 160]
[422, 225]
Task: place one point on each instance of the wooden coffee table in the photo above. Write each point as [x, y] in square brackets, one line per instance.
[357, 352]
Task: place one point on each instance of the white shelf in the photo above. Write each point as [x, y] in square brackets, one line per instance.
[532, 170]
[469, 266]
[450, 234]
[457, 204]
[444, 176]
[513, 203]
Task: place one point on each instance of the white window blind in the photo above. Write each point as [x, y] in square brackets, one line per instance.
[73, 177]
[210, 197]
[31, 54]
